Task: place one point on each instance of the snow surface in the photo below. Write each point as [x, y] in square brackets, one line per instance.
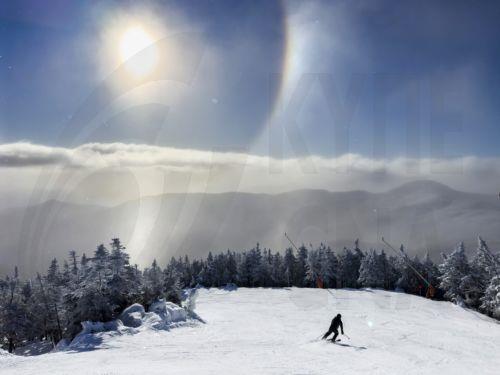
[276, 331]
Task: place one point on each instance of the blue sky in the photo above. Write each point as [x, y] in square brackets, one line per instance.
[401, 82]
[48, 65]
[48, 68]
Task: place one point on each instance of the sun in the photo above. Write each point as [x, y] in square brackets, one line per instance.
[137, 51]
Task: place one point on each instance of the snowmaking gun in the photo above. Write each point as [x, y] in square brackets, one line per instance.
[430, 289]
[319, 280]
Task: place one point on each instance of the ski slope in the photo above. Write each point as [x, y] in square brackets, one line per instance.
[275, 331]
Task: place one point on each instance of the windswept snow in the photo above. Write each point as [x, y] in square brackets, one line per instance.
[276, 331]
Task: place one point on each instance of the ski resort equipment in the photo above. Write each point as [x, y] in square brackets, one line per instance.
[319, 280]
[288, 238]
[430, 289]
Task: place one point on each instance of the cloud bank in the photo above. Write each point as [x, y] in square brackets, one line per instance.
[218, 171]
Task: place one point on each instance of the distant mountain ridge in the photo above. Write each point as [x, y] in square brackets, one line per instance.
[424, 215]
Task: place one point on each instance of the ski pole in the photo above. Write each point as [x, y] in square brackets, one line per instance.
[346, 336]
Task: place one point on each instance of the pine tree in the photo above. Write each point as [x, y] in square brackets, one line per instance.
[187, 272]
[430, 270]
[278, 277]
[313, 269]
[255, 263]
[53, 274]
[118, 258]
[491, 299]
[13, 313]
[73, 262]
[389, 274]
[207, 276]
[264, 272]
[301, 267]
[90, 300]
[329, 268]
[409, 280]
[244, 274]
[289, 266]
[453, 271]
[371, 272]
[171, 285]
[349, 267]
[484, 266]
[50, 292]
[153, 284]
[231, 270]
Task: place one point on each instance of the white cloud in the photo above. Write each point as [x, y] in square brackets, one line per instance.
[159, 169]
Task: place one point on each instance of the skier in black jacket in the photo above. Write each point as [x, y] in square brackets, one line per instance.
[334, 327]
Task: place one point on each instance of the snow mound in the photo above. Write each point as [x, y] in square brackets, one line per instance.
[94, 327]
[162, 315]
[165, 315]
[94, 335]
[168, 312]
[132, 315]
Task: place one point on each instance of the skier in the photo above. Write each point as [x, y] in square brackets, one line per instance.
[334, 327]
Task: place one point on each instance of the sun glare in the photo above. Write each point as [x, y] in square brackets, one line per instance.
[138, 52]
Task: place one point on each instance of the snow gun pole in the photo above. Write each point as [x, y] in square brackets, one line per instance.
[405, 257]
[288, 238]
[295, 247]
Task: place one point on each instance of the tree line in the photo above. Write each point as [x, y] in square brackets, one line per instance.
[99, 288]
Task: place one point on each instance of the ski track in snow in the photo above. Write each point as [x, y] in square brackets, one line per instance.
[276, 331]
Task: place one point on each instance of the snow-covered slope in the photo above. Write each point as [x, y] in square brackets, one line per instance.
[275, 331]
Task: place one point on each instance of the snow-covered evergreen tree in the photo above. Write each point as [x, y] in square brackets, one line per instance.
[430, 271]
[313, 269]
[265, 269]
[349, 267]
[14, 319]
[244, 272]
[484, 266]
[453, 271]
[289, 266]
[329, 268]
[207, 275]
[301, 267]
[255, 260]
[491, 299]
[371, 272]
[172, 285]
[153, 284]
[409, 281]
[231, 268]
[278, 274]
